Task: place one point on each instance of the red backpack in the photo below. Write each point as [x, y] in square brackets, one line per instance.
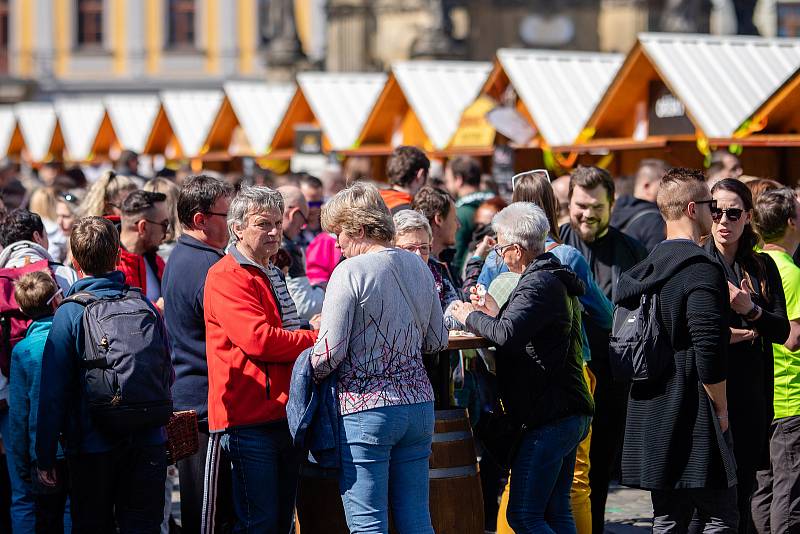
[13, 323]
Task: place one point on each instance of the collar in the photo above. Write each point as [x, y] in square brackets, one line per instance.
[193, 242]
[243, 260]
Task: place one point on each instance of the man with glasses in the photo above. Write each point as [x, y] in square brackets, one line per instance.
[203, 204]
[307, 297]
[144, 225]
[609, 253]
[677, 444]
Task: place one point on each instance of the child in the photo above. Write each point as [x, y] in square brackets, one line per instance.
[38, 296]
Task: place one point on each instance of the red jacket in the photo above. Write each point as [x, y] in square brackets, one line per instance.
[132, 266]
[249, 354]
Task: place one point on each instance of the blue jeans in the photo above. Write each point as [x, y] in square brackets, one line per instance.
[541, 477]
[265, 466]
[385, 457]
[23, 517]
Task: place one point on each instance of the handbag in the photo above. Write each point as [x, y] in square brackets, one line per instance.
[182, 438]
[500, 435]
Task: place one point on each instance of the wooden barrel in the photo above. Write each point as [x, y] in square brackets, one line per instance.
[456, 501]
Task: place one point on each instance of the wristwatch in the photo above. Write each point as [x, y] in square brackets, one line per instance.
[753, 313]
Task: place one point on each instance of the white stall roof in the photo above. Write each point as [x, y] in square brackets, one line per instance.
[191, 115]
[37, 120]
[559, 89]
[721, 80]
[259, 107]
[341, 102]
[439, 92]
[80, 119]
[132, 117]
[7, 124]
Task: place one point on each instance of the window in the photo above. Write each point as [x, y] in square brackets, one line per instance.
[264, 30]
[3, 36]
[181, 23]
[90, 23]
[788, 19]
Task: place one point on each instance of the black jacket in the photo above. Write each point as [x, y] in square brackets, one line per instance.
[538, 337]
[182, 286]
[672, 437]
[640, 220]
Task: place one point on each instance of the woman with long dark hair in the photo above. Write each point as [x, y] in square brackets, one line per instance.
[757, 320]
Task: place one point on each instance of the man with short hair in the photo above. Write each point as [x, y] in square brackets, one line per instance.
[308, 298]
[776, 502]
[203, 204]
[145, 223]
[609, 253]
[114, 477]
[407, 171]
[24, 241]
[677, 444]
[462, 178]
[439, 208]
[637, 215]
[128, 165]
[314, 193]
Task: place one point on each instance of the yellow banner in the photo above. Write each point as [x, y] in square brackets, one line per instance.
[473, 129]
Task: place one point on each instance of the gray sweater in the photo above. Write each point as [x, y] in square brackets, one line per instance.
[374, 336]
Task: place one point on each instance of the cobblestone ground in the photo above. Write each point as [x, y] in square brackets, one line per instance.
[628, 511]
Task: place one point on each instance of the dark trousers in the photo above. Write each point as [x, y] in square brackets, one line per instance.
[191, 474]
[608, 431]
[776, 502]
[49, 503]
[123, 486]
[716, 509]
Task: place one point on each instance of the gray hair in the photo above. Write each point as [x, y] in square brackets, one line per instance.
[409, 221]
[255, 199]
[523, 223]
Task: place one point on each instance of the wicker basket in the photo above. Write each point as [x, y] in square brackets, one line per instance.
[182, 438]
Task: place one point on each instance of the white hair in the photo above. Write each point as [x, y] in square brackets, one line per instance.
[255, 199]
[523, 223]
[409, 221]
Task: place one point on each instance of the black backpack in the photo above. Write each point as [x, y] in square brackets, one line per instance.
[639, 347]
[126, 363]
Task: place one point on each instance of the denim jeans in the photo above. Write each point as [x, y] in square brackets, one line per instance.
[23, 518]
[385, 455]
[541, 477]
[265, 466]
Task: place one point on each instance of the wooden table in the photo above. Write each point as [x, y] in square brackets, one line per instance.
[441, 379]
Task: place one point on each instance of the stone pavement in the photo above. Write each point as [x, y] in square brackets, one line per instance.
[628, 511]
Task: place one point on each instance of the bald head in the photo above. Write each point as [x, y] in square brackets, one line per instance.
[295, 210]
[648, 179]
[561, 189]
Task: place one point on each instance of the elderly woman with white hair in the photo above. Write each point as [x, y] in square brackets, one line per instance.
[381, 313]
[539, 369]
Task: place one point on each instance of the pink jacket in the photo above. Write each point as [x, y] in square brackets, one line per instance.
[322, 257]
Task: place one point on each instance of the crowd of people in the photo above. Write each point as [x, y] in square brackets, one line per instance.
[304, 303]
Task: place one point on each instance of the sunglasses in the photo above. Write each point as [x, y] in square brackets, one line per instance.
[69, 197]
[534, 172]
[315, 204]
[733, 214]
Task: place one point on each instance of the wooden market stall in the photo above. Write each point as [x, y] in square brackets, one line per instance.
[421, 105]
[41, 132]
[11, 141]
[80, 120]
[126, 125]
[675, 92]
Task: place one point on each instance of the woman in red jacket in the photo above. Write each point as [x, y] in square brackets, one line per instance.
[252, 341]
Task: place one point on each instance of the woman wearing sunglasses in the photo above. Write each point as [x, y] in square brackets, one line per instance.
[757, 319]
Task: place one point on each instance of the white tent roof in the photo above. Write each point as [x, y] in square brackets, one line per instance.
[37, 120]
[132, 117]
[341, 102]
[7, 124]
[191, 115]
[559, 89]
[722, 79]
[439, 92]
[80, 119]
[259, 107]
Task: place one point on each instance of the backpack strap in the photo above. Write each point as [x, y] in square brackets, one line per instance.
[84, 298]
[551, 246]
[637, 216]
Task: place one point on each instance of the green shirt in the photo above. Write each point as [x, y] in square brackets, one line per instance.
[787, 363]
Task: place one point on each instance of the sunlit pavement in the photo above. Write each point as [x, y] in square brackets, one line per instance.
[628, 511]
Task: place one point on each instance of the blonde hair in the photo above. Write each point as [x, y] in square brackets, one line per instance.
[356, 207]
[171, 190]
[105, 192]
[43, 203]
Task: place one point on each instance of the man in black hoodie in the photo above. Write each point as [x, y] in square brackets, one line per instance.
[203, 210]
[677, 443]
[609, 253]
[637, 215]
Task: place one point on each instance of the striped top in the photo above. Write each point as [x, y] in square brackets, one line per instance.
[289, 316]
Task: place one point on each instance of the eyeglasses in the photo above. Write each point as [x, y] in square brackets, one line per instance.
[164, 224]
[51, 299]
[315, 204]
[712, 203]
[733, 214]
[218, 214]
[534, 172]
[501, 249]
[413, 247]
